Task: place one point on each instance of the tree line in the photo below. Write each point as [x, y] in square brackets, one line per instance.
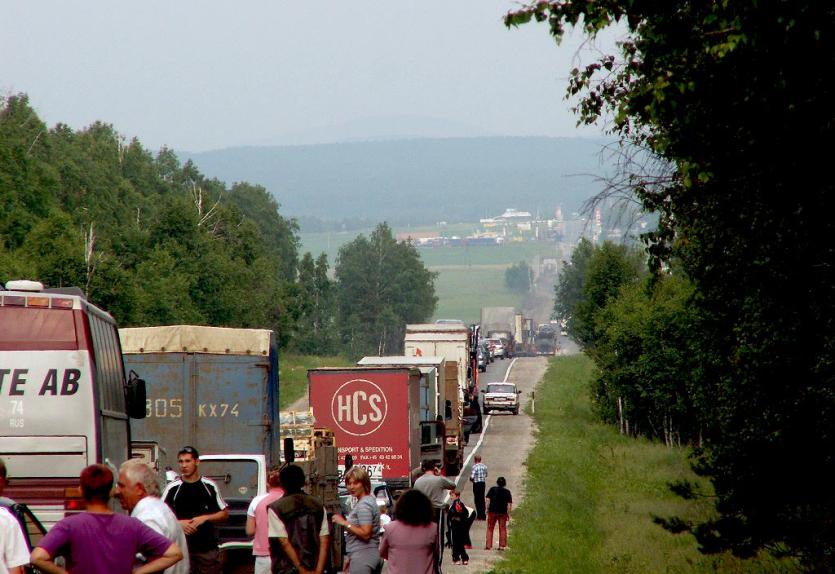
[726, 341]
[155, 242]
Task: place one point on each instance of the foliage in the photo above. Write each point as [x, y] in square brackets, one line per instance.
[151, 240]
[382, 286]
[718, 93]
[609, 268]
[568, 290]
[519, 277]
[596, 493]
[316, 307]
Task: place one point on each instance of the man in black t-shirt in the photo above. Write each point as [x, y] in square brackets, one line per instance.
[198, 505]
[499, 504]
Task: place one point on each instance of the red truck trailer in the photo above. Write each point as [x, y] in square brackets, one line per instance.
[374, 413]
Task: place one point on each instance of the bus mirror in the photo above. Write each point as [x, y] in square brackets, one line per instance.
[135, 396]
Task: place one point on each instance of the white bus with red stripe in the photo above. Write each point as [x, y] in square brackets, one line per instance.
[64, 401]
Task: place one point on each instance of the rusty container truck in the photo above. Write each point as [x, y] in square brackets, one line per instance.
[375, 414]
[215, 389]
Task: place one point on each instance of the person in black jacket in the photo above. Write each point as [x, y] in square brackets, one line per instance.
[458, 516]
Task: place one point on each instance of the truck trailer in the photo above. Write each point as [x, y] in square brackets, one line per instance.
[375, 414]
[215, 389]
[439, 400]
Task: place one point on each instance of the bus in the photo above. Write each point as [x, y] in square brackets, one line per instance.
[65, 402]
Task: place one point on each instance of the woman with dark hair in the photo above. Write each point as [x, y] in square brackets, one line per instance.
[410, 543]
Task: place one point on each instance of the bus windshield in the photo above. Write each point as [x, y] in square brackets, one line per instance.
[28, 328]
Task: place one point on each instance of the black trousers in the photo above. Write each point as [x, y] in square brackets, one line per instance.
[478, 496]
[460, 538]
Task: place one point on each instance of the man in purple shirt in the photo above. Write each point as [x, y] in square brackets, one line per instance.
[98, 541]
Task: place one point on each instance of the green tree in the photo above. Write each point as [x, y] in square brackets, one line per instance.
[717, 92]
[315, 306]
[610, 268]
[381, 286]
[519, 277]
[569, 288]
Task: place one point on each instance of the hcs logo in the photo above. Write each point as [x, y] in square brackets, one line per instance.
[359, 407]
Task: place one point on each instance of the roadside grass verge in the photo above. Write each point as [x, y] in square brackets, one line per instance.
[591, 494]
[292, 374]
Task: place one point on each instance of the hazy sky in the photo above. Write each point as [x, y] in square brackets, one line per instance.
[200, 74]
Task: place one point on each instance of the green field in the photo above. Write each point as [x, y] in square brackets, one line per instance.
[292, 374]
[591, 495]
[469, 278]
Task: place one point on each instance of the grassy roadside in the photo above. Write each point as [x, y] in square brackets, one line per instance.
[292, 374]
[591, 494]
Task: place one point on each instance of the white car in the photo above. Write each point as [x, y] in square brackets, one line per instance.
[501, 397]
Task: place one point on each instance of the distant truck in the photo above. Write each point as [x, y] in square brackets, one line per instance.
[500, 322]
[375, 414]
[546, 341]
[215, 389]
[439, 386]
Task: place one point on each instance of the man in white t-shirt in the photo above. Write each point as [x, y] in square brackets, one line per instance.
[13, 551]
[138, 491]
[257, 523]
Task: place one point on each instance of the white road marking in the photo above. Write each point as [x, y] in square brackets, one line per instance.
[485, 424]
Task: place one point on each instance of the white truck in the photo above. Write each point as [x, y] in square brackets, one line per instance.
[448, 340]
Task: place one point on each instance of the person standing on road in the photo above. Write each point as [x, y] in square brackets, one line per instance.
[13, 552]
[478, 476]
[257, 522]
[298, 532]
[362, 527]
[410, 543]
[138, 491]
[198, 505]
[500, 503]
[98, 540]
[459, 527]
[433, 485]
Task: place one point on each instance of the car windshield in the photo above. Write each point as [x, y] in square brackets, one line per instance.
[501, 389]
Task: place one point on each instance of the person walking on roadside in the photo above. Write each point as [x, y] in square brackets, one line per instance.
[138, 492]
[298, 533]
[257, 522]
[434, 486]
[98, 540]
[198, 505]
[362, 527]
[478, 476]
[459, 527]
[410, 543]
[500, 503]
[13, 552]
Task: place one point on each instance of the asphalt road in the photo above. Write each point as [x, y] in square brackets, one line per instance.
[503, 446]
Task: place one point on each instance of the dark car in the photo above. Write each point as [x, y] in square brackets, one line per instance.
[33, 530]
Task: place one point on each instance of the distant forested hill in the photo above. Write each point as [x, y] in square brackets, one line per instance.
[418, 180]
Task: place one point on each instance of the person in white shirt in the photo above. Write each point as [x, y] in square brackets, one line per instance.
[138, 491]
[13, 551]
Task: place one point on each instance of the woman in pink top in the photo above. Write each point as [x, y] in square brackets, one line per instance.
[410, 543]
